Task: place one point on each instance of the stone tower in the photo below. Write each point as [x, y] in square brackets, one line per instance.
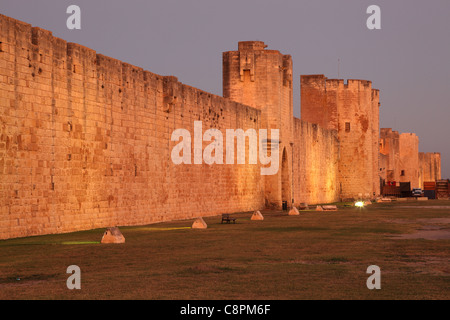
[262, 79]
[430, 167]
[409, 159]
[352, 109]
[389, 155]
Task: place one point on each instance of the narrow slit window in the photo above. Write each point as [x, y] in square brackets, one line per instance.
[347, 127]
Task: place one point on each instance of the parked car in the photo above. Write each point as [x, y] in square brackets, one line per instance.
[417, 192]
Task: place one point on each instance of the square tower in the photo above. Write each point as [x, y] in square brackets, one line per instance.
[352, 109]
[262, 79]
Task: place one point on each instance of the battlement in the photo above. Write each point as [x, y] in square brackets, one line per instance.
[358, 82]
[251, 45]
[307, 78]
[408, 135]
[322, 81]
[335, 83]
[430, 154]
[376, 95]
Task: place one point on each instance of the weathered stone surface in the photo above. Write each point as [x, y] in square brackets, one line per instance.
[86, 143]
[199, 223]
[256, 216]
[316, 155]
[113, 235]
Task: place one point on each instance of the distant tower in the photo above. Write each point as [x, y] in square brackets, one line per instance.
[409, 159]
[262, 79]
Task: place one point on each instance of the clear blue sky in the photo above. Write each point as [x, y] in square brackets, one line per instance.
[408, 59]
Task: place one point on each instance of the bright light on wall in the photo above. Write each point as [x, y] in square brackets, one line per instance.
[359, 204]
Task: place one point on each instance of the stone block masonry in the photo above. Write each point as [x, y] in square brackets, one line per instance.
[316, 164]
[85, 141]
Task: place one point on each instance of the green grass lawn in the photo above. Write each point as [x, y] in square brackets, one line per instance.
[317, 255]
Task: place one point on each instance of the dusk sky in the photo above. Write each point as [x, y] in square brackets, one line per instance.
[408, 59]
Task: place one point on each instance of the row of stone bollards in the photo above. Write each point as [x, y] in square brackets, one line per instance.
[113, 235]
[199, 223]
